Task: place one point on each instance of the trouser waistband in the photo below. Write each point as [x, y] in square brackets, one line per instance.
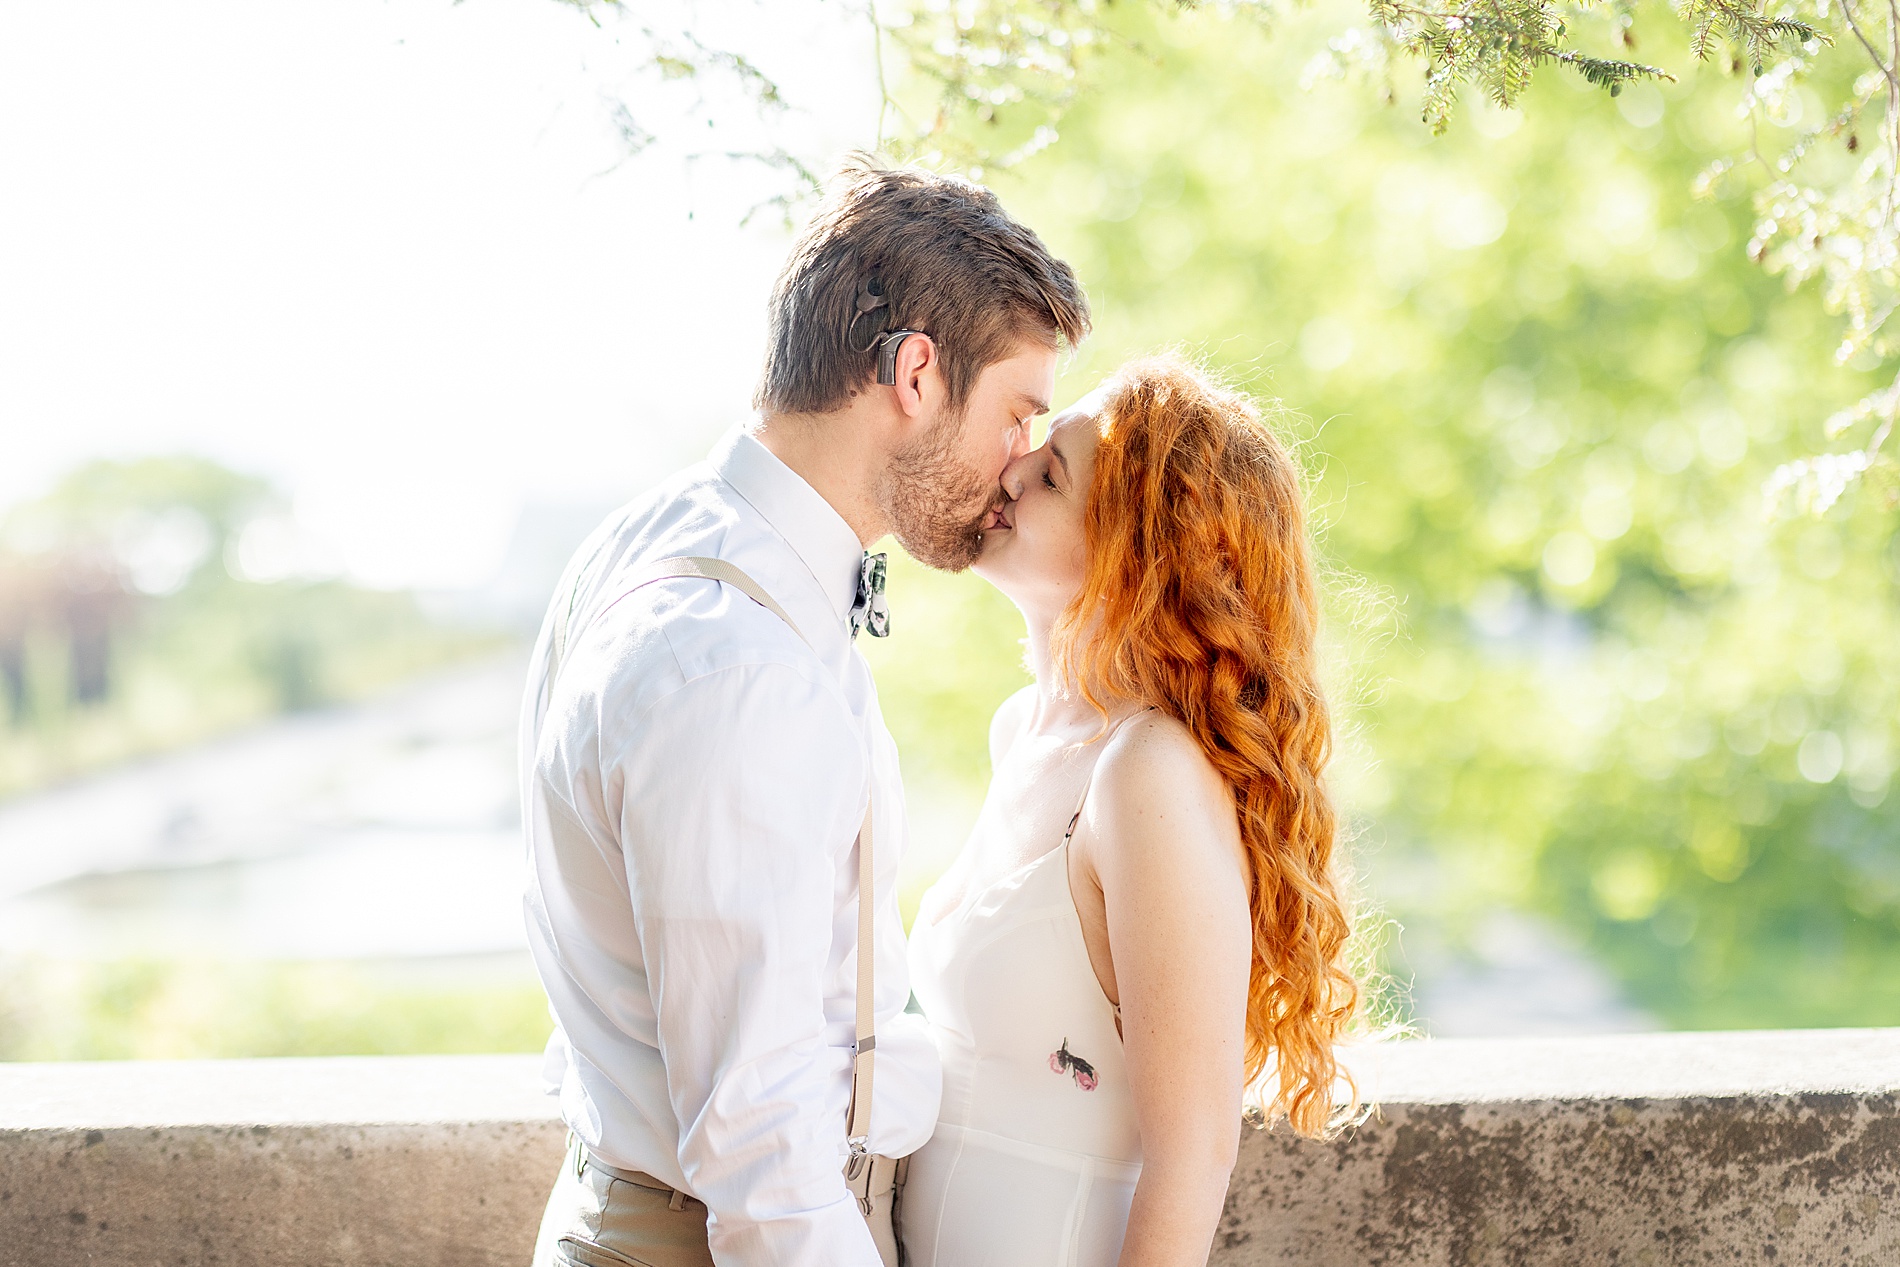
[874, 1180]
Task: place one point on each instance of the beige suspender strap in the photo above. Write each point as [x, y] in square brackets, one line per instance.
[857, 1121]
[665, 570]
[568, 594]
[858, 1116]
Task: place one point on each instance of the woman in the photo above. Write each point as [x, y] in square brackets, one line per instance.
[1145, 917]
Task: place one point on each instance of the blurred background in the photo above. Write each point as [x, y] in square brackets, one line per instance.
[327, 331]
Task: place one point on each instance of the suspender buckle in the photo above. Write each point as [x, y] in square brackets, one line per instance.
[858, 1172]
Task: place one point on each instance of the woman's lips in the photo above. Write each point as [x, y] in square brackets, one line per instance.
[996, 520]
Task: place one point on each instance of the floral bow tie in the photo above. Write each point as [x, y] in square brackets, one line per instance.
[870, 612]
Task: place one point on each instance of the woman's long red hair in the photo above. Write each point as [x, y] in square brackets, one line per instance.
[1200, 601]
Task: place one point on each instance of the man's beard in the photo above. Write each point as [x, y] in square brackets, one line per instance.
[937, 505]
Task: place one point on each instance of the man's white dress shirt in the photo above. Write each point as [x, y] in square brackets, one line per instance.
[692, 788]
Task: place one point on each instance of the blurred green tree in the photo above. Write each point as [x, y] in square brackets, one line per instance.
[129, 621]
[982, 85]
[1807, 79]
[1582, 673]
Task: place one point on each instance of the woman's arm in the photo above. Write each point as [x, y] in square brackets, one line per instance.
[1165, 847]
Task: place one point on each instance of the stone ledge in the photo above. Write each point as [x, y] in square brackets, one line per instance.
[1714, 1064]
[1641, 1149]
[1678, 1149]
[354, 1161]
[355, 1090]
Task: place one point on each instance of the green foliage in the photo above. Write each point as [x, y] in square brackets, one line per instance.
[956, 655]
[1495, 46]
[142, 554]
[189, 1010]
[1545, 386]
[1004, 73]
[985, 85]
[93, 504]
[1746, 28]
[1012, 67]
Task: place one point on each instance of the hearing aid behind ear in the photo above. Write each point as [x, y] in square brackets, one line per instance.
[887, 345]
[872, 308]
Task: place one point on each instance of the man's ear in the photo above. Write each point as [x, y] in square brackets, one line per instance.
[919, 386]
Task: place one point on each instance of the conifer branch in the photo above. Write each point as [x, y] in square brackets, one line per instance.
[1602, 72]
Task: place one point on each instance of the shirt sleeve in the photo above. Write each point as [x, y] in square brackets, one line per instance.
[741, 794]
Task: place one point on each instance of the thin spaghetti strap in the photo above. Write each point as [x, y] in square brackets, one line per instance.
[1080, 801]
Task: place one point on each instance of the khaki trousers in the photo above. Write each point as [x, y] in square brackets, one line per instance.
[599, 1216]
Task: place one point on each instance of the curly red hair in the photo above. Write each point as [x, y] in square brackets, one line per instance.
[1200, 601]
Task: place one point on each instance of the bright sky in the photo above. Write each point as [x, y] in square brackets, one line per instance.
[381, 252]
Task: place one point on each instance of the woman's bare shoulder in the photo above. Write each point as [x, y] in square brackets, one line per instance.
[1155, 779]
[1155, 749]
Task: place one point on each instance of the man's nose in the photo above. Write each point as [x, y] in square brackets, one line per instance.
[1013, 478]
[1019, 441]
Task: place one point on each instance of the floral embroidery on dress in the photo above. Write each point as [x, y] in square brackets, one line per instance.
[1062, 1060]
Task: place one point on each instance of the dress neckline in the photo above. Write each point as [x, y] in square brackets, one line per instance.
[969, 899]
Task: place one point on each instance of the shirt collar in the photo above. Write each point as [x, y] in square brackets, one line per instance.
[815, 531]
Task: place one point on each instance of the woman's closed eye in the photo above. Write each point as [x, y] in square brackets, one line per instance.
[1047, 480]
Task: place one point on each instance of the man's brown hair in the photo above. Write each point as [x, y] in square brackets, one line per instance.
[946, 258]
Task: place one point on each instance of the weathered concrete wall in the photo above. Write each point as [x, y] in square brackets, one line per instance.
[1655, 1149]
[1659, 1149]
[351, 1162]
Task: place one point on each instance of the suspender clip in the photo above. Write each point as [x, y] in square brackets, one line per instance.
[858, 1173]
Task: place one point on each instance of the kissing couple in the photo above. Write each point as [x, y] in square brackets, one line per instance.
[1145, 928]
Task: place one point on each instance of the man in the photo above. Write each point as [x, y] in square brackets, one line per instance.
[697, 767]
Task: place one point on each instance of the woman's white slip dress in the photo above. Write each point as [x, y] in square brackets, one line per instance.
[1036, 1152]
